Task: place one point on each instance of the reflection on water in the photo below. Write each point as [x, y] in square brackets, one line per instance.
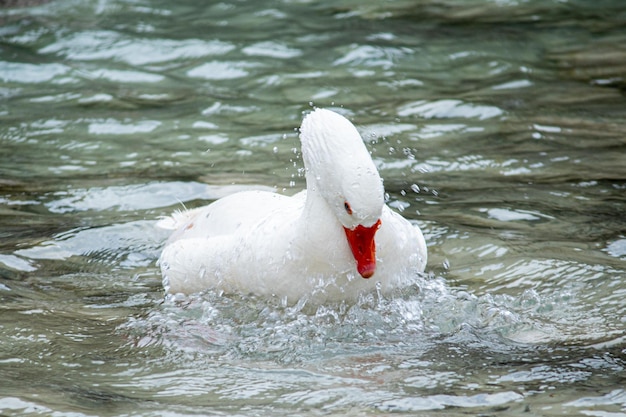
[498, 127]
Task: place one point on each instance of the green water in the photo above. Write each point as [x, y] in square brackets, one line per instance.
[499, 127]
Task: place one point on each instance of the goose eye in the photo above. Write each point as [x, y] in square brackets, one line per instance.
[346, 205]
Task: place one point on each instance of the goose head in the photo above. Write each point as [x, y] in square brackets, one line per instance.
[340, 169]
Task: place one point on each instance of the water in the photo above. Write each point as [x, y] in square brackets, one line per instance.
[498, 126]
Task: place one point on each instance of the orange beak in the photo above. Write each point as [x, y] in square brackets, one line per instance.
[361, 241]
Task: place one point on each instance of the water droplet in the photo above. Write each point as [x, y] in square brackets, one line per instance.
[415, 188]
[275, 149]
[379, 294]
[166, 283]
[446, 264]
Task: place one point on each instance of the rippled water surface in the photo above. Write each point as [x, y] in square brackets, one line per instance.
[499, 127]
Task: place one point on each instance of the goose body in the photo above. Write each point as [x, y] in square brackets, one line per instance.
[331, 242]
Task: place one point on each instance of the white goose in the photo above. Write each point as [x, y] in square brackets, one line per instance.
[330, 242]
